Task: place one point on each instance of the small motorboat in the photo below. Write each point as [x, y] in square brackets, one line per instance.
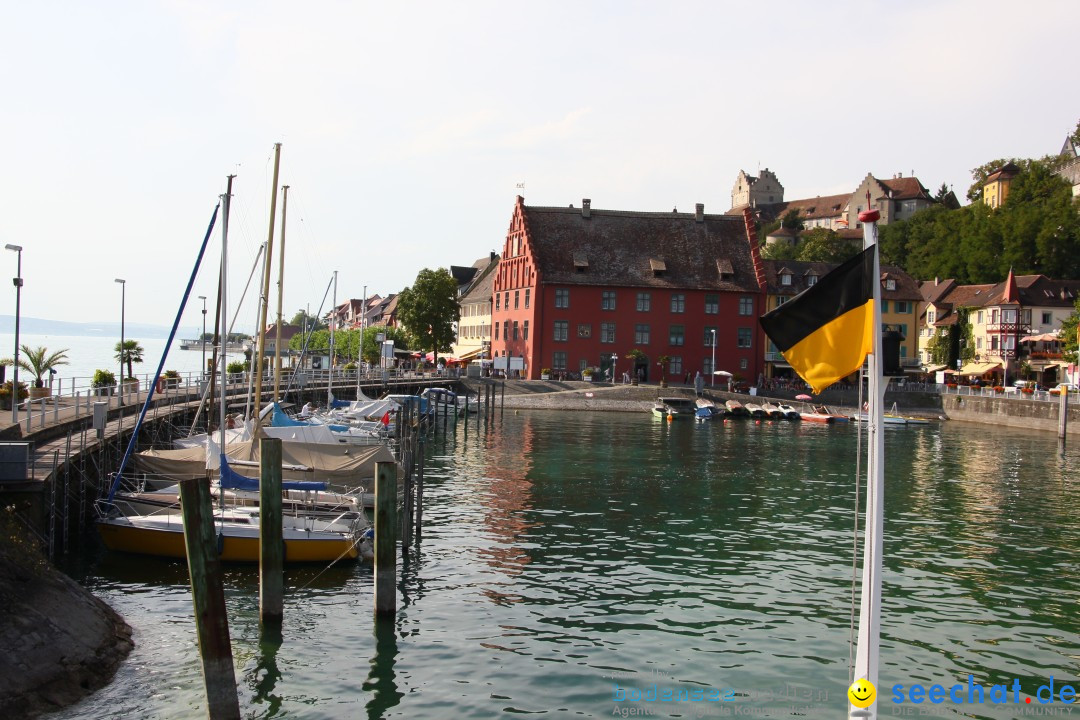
[736, 409]
[707, 410]
[822, 413]
[789, 412]
[756, 411]
[773, 411]
[662, 410]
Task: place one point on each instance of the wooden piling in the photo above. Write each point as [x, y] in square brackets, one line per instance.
[271, 542]
[208, 597]
[419, 525]
[385, 538]
[1063, 413]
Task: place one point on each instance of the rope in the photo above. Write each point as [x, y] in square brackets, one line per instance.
[356, 542]
[855, 531]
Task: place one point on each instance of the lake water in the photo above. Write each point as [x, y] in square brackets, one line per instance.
[87, 354]
[570, 556]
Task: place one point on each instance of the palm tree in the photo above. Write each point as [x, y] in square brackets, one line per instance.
[39, 361]
[132, 353]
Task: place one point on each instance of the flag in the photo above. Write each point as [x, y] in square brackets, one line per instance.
[386, 419]
[826, 331]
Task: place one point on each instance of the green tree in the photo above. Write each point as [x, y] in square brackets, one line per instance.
[1068, 334]
[371, 349]
[824, 245]
[307, 322]
[429, 309]
[979, 175]
[780, 251]
[131, 353]
[39, 361]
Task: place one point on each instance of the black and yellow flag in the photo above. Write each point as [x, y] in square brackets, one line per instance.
[826, 331]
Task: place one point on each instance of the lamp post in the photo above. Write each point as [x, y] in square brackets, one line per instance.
[123, 293]
[202, 339]
[712, 374]
[18, 281]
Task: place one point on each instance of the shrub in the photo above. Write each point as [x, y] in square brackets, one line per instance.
[172, 375]
[103, 378]
[235, 368]
[545, 371]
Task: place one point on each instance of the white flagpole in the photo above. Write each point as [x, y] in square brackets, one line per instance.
[867, 648]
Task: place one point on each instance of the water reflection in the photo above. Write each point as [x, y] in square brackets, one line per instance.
[381, 679]
[264, 677]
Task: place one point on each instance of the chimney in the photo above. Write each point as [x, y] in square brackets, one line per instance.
[586, 207]
[492, 257]
[935, 281]
[699, 212]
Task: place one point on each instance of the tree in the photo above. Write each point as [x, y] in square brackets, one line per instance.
[131, 353]
[307, 322]
[40, 361]
[824, 245]
[942, 193]
[429, 309]
[370, 350]
[979, 175]
[1068, 334]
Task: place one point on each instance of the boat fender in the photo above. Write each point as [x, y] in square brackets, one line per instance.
[369, 534]
[220, 544]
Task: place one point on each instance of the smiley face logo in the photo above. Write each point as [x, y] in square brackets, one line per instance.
[862, 693]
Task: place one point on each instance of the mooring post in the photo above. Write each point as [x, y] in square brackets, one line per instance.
[419, 491]
[385, 538]
[271, 542]
[407, 504]
[208, 597]
[1063, 413]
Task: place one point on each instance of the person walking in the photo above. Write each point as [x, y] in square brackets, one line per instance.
[699, 384]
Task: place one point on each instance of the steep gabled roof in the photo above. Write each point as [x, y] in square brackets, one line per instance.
[483, 285]
[908, 188]
[907, 288]
[620, 248]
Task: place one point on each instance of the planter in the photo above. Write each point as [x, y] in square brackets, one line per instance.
[104, 391]
[633, 381]
[586, 378]
[131, 387]
[545, 376]
[36, 393]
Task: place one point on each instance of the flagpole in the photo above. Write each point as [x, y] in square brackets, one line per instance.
[867, 648]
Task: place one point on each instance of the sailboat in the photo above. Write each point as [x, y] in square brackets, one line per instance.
[308, 536]
[826, 333]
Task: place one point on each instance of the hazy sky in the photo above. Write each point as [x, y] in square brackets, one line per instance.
[407, 126]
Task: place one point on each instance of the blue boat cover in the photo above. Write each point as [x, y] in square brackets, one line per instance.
[335, 403]
[232, 480]
[280, 419]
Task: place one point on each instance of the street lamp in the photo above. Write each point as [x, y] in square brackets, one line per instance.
[15, 368]
[712, 381]
[123, 293]
[202, 339]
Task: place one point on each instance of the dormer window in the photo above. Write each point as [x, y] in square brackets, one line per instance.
[659, 268]
[785, 278]
[811, 280]
[581, 262]
[890, 284]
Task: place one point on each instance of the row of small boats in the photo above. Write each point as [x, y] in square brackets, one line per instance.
[704, 409]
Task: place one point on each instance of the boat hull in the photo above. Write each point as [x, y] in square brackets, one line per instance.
[166, 539]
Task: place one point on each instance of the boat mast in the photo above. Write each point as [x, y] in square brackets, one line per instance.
[257, 370]
[221, 303]
[868, 645]
[333, 323]
[280, 281]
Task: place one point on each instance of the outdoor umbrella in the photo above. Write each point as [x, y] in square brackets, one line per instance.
[804, 396]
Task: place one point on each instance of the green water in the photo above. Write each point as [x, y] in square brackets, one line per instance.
[567, 554]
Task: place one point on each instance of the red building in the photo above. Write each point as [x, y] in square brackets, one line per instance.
[577, 286]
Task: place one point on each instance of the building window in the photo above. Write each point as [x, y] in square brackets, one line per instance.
[528, 291]
[712, 304]
[607, 332]
[515, 329]
[746, 306]
[561, 329]
[675, 365]
[497, 301]
[884, 306]
[979, 318]
[890, 284]
[516, 294]
[707, 368]
[710, 336]
[930, 316]
[496, 331]
[744, 363]
[582, 364]
[744, 336]
[644, 302]
[562, 297]
[785, 279]
[811, 280]
[780, 300]
[1025, 317]
[607, 302]
[903, 307]
[978, 343]
[558, 360]
[506, 300]
[525, 330]
[678, 303]
[641, 334]
[1046, 318]
[584, 330]
[675, 337]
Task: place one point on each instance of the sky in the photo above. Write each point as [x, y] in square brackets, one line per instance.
[408, 128]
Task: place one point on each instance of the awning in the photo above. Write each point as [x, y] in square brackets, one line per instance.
[1044, 337]
[936, 368]
[979, 368]
[471, 355]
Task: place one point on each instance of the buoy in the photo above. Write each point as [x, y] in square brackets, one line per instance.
[670, 418]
